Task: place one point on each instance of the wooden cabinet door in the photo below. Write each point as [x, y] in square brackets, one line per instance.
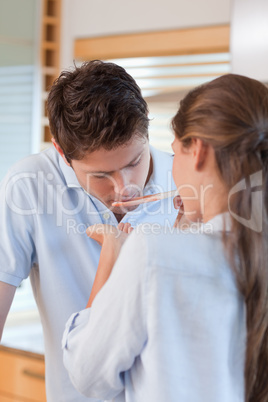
[22, 375]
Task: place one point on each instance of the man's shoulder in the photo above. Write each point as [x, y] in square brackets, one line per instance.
[162, 170]
[161, 158]
[42, 161]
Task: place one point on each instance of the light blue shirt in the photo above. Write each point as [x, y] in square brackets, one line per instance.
[44, 213]
[168, 325]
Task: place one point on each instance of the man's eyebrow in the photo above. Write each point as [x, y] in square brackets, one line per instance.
[112, 171]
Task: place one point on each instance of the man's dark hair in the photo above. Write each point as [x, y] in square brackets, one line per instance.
[97, 105]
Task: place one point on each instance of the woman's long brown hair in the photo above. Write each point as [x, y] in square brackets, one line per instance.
[231, 114]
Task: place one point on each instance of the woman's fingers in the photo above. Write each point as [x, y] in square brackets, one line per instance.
[177, 202]
[100, 231]
[125, 227]
[120, 226]
[130, 229]
[179, 216]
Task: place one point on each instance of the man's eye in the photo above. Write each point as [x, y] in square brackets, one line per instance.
[101, 176]
[136, 163]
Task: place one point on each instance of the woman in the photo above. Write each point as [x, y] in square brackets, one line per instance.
[184, 316]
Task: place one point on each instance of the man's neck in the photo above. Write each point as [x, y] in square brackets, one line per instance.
[119, 217]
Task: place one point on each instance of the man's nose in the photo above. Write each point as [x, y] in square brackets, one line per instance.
[121, 183]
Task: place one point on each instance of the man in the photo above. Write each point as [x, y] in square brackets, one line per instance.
[99, 122]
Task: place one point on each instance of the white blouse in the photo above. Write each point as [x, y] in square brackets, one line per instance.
[168, 326]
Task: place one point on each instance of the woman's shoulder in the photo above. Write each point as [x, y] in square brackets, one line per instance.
[199, 254]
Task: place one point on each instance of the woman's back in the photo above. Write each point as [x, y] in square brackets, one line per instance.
[176, 311]
[195, 319]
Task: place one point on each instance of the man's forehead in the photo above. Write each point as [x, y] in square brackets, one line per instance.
[103, 160]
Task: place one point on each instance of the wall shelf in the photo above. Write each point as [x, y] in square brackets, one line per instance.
[50, 56]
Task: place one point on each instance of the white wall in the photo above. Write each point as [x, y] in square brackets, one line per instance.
[19, 80]
[249, 38]
[17, 32]
[86, 18]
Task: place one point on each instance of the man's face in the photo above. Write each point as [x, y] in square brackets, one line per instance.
[115, 175]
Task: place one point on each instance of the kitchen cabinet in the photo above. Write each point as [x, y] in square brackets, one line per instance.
[22, 376]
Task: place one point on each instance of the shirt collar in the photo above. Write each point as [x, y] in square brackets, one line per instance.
[69, 175]
[219, 223]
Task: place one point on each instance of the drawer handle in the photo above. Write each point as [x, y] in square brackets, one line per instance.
[33, 374]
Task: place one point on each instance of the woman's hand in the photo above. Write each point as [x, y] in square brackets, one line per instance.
[111, 238]
[178, 204]
[110, 235]
[125, 227]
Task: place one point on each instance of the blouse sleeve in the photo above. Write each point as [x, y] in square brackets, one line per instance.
[101, 343]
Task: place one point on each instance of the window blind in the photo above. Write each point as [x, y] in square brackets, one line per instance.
[165, 80]
[16, 102]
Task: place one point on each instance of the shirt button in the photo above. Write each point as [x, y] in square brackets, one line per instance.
[106, 216]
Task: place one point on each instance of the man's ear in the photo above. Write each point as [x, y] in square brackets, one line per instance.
[200, 151]
[60, 151]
